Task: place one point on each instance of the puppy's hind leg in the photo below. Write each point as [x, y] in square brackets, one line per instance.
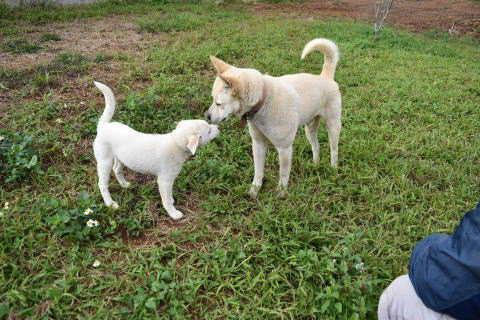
[117, 169]
[311, 133]
[104, 168]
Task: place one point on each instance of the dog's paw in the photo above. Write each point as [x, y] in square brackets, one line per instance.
[176, 215]
[282, 192]
[113, 205]
[253, 193]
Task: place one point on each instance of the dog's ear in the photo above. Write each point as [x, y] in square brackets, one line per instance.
[219, 65]
[233, 82]
[192, 143]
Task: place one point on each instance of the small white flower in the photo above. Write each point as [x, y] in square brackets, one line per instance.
[96, 263]
[59, 120]
[92, 223]
[5, 206]
[360, 266]
[82, 102]
[1, 138]
[334, 260]
[88, 212]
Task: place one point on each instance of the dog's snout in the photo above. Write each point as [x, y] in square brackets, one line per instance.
[207, 115]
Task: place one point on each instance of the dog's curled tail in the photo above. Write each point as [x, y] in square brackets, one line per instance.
[109, 103]
[330, 52]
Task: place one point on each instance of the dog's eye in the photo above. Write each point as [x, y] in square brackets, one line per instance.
[218, 104]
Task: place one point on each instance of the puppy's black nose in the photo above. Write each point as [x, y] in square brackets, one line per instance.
[207, 115]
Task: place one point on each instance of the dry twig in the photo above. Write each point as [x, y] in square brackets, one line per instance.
[382, 8]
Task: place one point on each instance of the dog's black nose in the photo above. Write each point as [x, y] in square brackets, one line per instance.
[207, 115]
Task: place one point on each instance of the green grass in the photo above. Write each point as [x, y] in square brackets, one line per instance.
[44, 15]
[50, 37]
[19, 45]
[408, 167]
[46, 76]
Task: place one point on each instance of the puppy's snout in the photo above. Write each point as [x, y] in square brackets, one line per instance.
[207, 115]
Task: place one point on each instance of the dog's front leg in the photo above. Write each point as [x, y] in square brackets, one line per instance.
[259, 148]
[285, 159]
[165, 185]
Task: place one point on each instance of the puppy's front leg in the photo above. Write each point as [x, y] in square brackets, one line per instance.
[259, 148]
[165, 185]
[285, 159]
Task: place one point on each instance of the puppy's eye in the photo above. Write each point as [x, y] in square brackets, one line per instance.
[218, 104]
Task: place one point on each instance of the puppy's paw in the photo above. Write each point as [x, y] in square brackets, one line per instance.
[253, 193]
[113, 205]
[176, 215]
[125, 184]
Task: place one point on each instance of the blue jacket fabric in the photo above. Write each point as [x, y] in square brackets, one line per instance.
[445, 269]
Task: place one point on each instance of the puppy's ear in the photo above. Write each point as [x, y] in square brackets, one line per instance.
[219, 65]
[192, 143]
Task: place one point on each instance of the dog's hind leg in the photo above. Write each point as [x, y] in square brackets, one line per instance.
[311, 133]
[334, 126]
[117, 169]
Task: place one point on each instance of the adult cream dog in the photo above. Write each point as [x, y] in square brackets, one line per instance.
[163, 155]
[275, 107]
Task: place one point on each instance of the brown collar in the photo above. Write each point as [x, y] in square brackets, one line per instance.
[251, 113]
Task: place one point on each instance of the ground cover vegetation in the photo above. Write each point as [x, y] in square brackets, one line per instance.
[408, 168]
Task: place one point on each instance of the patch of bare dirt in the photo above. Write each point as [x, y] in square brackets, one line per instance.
[414, 15]
[114, 36]
[110, 35]
[164, 225]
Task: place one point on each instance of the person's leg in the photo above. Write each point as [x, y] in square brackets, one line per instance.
[400, 302]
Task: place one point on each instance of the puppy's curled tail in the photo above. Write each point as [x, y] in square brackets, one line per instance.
[109, 103]
[330, 52]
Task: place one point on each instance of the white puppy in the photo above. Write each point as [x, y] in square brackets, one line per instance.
[276, 106]
[163, 155]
